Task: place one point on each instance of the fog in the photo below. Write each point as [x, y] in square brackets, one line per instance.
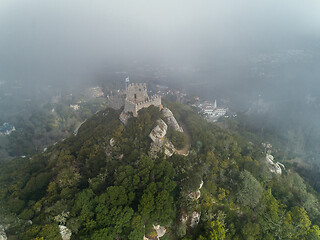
[70, 41]
[254, 53]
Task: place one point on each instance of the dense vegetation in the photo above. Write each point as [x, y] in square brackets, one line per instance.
[116, 191]
[44, 124]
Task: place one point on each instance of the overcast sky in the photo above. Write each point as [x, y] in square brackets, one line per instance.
[62, 40]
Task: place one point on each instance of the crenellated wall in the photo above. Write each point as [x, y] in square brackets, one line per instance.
[135, 107]
[154, 100]
[134, 98]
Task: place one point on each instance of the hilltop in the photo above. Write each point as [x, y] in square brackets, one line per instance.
[103, 183]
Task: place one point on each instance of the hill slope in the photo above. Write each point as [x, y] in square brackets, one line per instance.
[99, 189]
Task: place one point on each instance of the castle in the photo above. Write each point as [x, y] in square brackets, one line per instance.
[136, 97]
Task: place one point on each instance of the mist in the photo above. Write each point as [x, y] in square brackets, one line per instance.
[241, 50]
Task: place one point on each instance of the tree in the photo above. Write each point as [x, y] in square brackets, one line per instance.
[314, 233]
[178, 139]
[146, 205]
[250, 190]
[251, 231]
[214, 231]
[271, 216]
[300, 222]
[47, 232]
[163, 210]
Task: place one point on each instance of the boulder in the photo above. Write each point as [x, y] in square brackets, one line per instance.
[161, 231]
[159, 140]
[65, 232]
[275, 167]
[195, 219]
[3, 235]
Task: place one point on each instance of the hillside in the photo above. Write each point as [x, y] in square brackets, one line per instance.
[103, 184]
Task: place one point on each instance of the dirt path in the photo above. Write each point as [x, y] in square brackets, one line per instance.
[185, 151]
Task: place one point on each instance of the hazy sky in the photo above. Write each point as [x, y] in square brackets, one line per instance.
[62, 40]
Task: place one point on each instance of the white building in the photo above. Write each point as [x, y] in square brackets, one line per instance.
[220, 111]
[210, 109]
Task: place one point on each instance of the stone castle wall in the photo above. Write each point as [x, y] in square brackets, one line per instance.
[135, 107]
[130, 107]
[137, 92]
[117, 101]
[154, 100]
[134, 98]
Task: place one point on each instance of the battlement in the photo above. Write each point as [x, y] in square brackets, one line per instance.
[152, 99]
[137, 98]
[155, 97]
[137, 85]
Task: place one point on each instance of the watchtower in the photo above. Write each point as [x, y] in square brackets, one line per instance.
[137, 92]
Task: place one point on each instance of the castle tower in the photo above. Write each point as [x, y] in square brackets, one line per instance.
[137, 92]
[137, 98]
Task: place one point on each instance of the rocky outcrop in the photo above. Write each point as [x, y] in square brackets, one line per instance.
[112, 142]
[169, 149]
[275, 167]
[192, 220]
[195, 219]
[159, 140]
[3, 235]
[65, 232]
[196, 194]
[161, 231]
[171, 119]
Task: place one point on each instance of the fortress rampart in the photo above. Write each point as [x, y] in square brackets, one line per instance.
[135, 107]
[117, 101]
[135, 98]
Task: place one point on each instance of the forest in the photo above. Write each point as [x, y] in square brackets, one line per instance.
[43, 123]
[100, 190]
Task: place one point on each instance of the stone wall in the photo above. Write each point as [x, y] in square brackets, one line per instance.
[130, 107]
[155, 101]
[137, 92]
[137, 98]
[159, 132]
[117, 101]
